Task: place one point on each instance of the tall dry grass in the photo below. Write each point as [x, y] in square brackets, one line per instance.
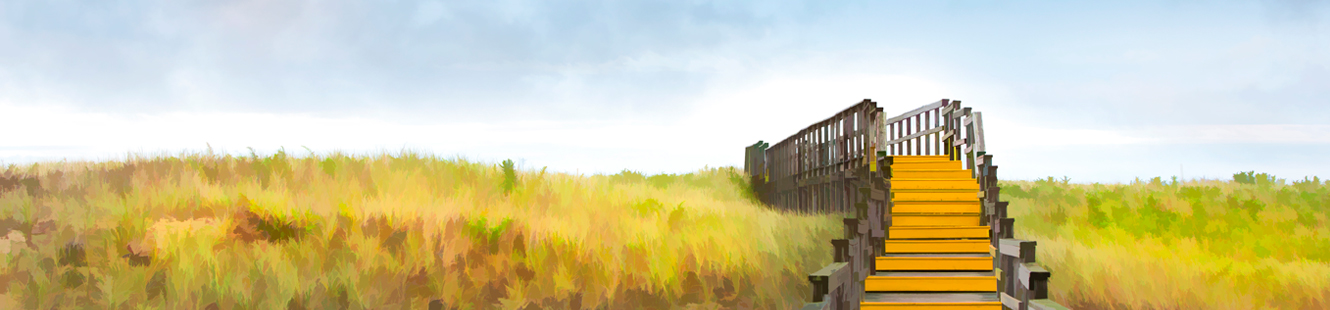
[391, 231]
[1203, 244]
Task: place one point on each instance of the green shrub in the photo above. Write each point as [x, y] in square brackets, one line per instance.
[509, 176]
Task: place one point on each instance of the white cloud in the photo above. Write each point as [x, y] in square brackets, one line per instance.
[1009, 134]
[711, 134]
[1264, 133]
[1004, 134]
[655, 87]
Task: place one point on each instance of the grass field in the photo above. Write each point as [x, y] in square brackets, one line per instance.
[400, 230]
[1255, 242]
[393, 231]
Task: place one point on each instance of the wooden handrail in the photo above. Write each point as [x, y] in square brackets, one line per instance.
[1019, 274]
[917, 135]
[831, 167]
[835, 165]
[841, 284]
[921, 131]
[828, 279]
[919, 110]
[807, 172]
[1024, 283]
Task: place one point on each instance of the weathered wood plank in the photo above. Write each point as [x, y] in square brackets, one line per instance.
[1045, 304]
[1022, 249]
[828, 279]
[979, 132]
[1004, 228]
[842, 250]
[917, 135]
[852, 227]
[1000, 209]
[1009, 302]
[917, 111]
[1032, 272]
[958, 142]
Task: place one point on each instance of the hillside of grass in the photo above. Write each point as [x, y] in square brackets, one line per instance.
[1254, 242]
[392, 231]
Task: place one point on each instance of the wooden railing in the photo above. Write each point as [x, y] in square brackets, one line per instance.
[831, 167]
[1020, 275]
[840, 285]
[808, 171]
[919, 131]
[939, 128]
[835, 161]
[947, 128]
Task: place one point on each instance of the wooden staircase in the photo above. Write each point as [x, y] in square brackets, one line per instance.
[937, 255]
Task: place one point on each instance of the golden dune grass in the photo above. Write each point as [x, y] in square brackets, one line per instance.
[395, 231]
[1208, 260]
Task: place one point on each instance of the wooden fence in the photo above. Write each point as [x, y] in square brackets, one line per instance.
[812, 170]
[836, 164]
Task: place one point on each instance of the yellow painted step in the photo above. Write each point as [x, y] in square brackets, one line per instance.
[935, 190]
[919, 158]
[930, 173]
[899, 183]
[960, 207]
[935, 196]
[928, 165]
[937, 246]
[924, 262]
[991, 305]
[933, 219]
[931, 301]
[931, 282]
[938, 232]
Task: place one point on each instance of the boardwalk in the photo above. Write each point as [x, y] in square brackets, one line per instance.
[924, 224]
[937, 253]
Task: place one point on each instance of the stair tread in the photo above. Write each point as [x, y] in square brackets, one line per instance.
[941, 191]
[930, 297]
[957, 240]
[966, 202]
[935, 190]
[938, 189]
[933, 213]
[931, 178]
[961, 197]
[903, 274]
[975, 199]
[938, 227]
[934, 239]
[934, 255]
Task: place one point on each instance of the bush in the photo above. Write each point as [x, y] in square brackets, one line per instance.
[1251, 177]
[509, 176]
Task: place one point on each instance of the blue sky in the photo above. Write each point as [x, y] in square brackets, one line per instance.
[1095, 91]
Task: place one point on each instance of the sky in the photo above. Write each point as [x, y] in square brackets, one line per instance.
[1094, 91]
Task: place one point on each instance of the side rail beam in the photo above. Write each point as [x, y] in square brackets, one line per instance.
[1022, 284]
[840, 285]
[808, 171]
[1025, 283]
